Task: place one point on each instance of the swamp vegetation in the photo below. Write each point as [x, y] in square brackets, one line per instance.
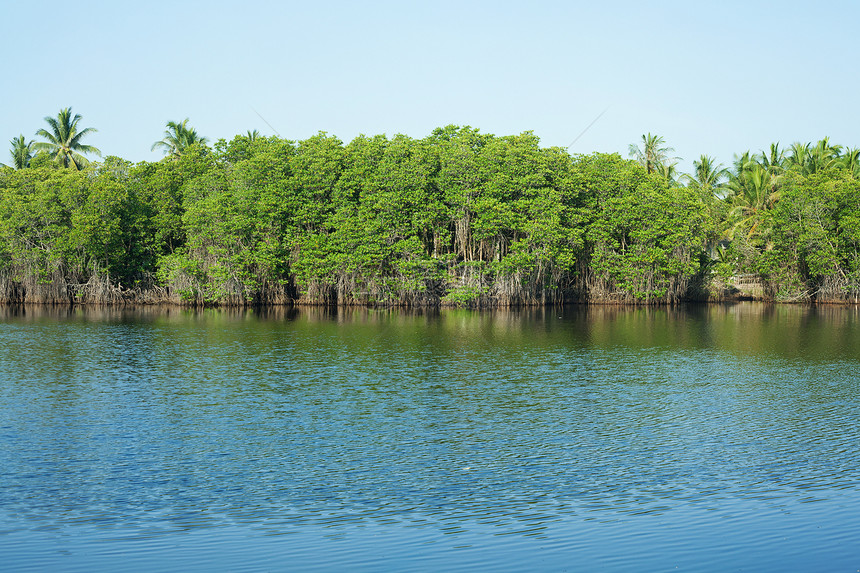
[457, 218]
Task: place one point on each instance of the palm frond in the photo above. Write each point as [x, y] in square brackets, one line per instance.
[63, 139]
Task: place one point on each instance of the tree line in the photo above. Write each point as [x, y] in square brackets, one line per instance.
[455, 218]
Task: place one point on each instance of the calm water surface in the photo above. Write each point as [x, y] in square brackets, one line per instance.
[705, 438]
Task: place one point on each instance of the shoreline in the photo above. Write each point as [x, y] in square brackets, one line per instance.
[600, 303]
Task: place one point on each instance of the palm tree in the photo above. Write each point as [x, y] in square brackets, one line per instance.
[668, 171]
[823, 156]
[754, 194]
[177, 138]
[743, 163]
[252, 135]
[708, 180]
[851, 161]
[798, 156]
[774, 160]
[653, 155]
[64, 140]
[708, 176]
[21, 152]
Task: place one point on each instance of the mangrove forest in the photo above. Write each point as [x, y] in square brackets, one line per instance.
[459, 218]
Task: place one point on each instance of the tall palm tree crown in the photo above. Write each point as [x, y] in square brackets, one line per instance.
[851, 161]
[653, 154]
[177, 138]
[773, 160]
[755, 191]
[21, 152]
[708, 176]
[64, 140]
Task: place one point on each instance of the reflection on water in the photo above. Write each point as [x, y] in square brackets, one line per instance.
[705, 436]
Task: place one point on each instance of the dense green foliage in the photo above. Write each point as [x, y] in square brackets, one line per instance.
[458, 217]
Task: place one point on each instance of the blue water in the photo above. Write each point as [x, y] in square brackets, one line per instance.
[706, 438]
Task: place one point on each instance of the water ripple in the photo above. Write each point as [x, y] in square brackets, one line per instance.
[635, 437]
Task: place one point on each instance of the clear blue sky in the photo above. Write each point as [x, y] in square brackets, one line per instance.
[710, 77]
